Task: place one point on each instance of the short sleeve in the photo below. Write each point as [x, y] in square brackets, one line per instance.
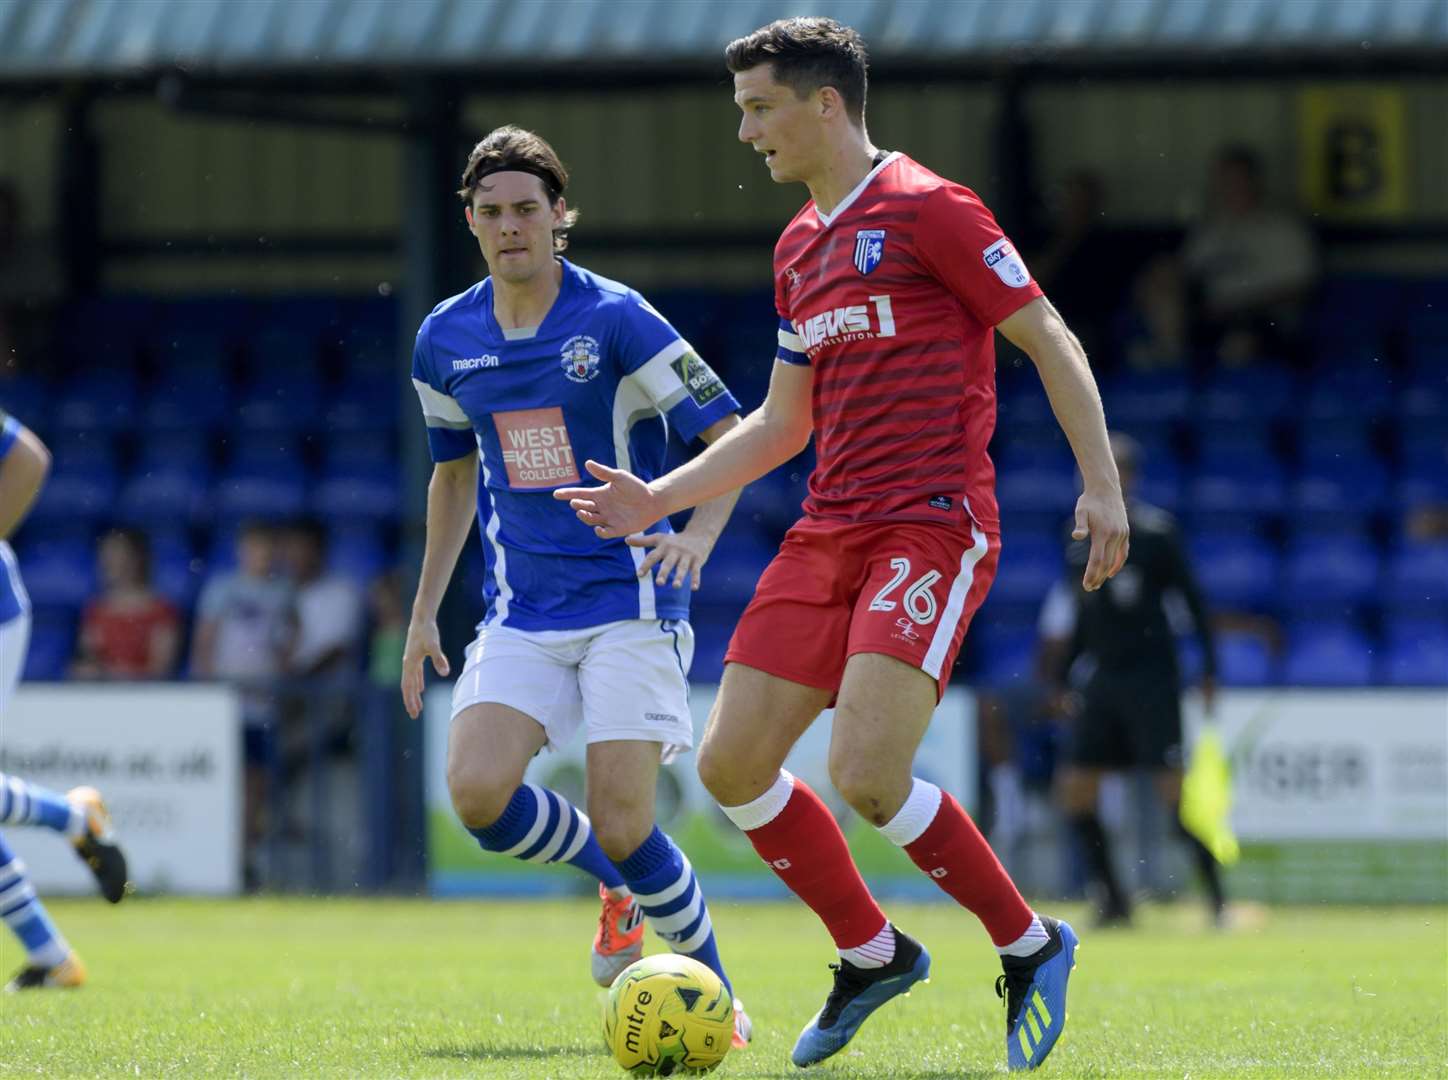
[958, 240]
[670, 373]
[213, 600]
[449, 432]
[9, 431]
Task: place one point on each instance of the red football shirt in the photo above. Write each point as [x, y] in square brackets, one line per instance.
[893, 299]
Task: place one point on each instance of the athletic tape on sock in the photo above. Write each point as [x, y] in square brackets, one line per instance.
[763, 810]
[910, 823]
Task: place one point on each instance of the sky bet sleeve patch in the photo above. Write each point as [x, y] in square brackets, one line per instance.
[698, 378]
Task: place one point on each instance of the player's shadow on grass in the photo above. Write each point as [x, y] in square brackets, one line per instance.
[481, 1051]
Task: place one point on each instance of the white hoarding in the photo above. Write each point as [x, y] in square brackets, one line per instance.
[1336, 764]
[166, 758]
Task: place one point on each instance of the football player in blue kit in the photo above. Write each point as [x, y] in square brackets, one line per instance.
[79, 815]
[524, 376]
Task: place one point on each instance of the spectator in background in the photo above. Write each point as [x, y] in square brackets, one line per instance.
[1077, 266]
[245, 625]
[328, 606]
[1251, 267]
[129, 631]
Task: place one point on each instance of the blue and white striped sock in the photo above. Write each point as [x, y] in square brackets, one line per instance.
[23, 913]
[22, 803]
[664, 885]
[542, 826]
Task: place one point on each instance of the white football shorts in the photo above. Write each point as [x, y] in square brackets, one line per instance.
[619, 680]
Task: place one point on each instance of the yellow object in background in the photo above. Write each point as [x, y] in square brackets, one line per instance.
[1206, 805]
[1354, 151]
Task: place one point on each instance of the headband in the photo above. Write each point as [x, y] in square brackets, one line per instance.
[550, 182]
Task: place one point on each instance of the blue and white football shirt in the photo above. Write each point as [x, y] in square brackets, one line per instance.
[602, 377]
[13, 599]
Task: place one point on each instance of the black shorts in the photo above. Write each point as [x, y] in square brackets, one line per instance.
[1127, 722]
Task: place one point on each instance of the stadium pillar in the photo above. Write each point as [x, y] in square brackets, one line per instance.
[1017, 200]
[79, 171]
[429, 227]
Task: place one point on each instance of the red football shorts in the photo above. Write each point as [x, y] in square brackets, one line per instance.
[904, 589]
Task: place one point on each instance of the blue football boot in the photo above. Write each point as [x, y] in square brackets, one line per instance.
[1034, 990]
[857, 993]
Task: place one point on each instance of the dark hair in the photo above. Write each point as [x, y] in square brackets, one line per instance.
[808, 53]
[140, 545]
[511, 149]
[1244, 157]
[311, 529]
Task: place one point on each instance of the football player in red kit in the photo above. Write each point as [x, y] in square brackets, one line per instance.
[890, 284]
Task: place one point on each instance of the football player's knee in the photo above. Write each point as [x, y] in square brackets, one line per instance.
[478, 799]
[620, 831]
[864, 787]
[724, 778]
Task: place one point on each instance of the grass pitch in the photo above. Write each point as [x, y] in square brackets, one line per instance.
[263, 988]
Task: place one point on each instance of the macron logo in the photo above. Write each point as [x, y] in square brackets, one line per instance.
[472, 363]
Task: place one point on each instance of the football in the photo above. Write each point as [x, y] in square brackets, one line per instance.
[667, 1015]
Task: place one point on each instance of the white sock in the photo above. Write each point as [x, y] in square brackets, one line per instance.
[914, 817]
[1029, 942]
[621, 893]
[875, 953]
[763, 810]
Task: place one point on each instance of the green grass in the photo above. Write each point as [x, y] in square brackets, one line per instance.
[486, 989]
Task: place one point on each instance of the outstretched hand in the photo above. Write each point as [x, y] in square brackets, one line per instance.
[622, 506]
[1103, 519]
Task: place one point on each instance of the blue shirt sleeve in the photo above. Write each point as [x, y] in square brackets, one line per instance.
[791, 345]
[668, 370]
[449, 432]
[10, 430]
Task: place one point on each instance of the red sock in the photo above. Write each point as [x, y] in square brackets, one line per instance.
[953, 852]
[803, 844]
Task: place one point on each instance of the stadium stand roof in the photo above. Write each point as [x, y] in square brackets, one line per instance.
[59, 39]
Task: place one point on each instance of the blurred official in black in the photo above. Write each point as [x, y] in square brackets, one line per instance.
[1116, 674]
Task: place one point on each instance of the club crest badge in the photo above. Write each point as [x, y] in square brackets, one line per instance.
[869, 249]
[581, 358]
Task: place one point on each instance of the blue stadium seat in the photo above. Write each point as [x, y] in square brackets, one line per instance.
[1028, 445]
[188, 400]
[1246, 488]
[176, 570]
[1029, 565]
[1332, 571]
[1356, 392]
[98, 401]
[1006, 654]
[1236, 570]
[80, 449]
[1245, 395]
[1416, 654]
[372, 493]
[164, 494]
[1334, 444]
[772, 503]
[354, 449]
[1037, 489]
[27, 398]
[281, 352]
[1422, 443]
[1328, 655]
[1233, 447]
[279, 401]
[59, 572]
[1161, 483]
[357, 551]
[83, 493]
[186, 348]
[1244, 660]
[1349, 489]
[172, 449]
[1147, 398]
[1417, 577]
[52, 644]
[260, 493]
[366, 402]
[262, 449]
